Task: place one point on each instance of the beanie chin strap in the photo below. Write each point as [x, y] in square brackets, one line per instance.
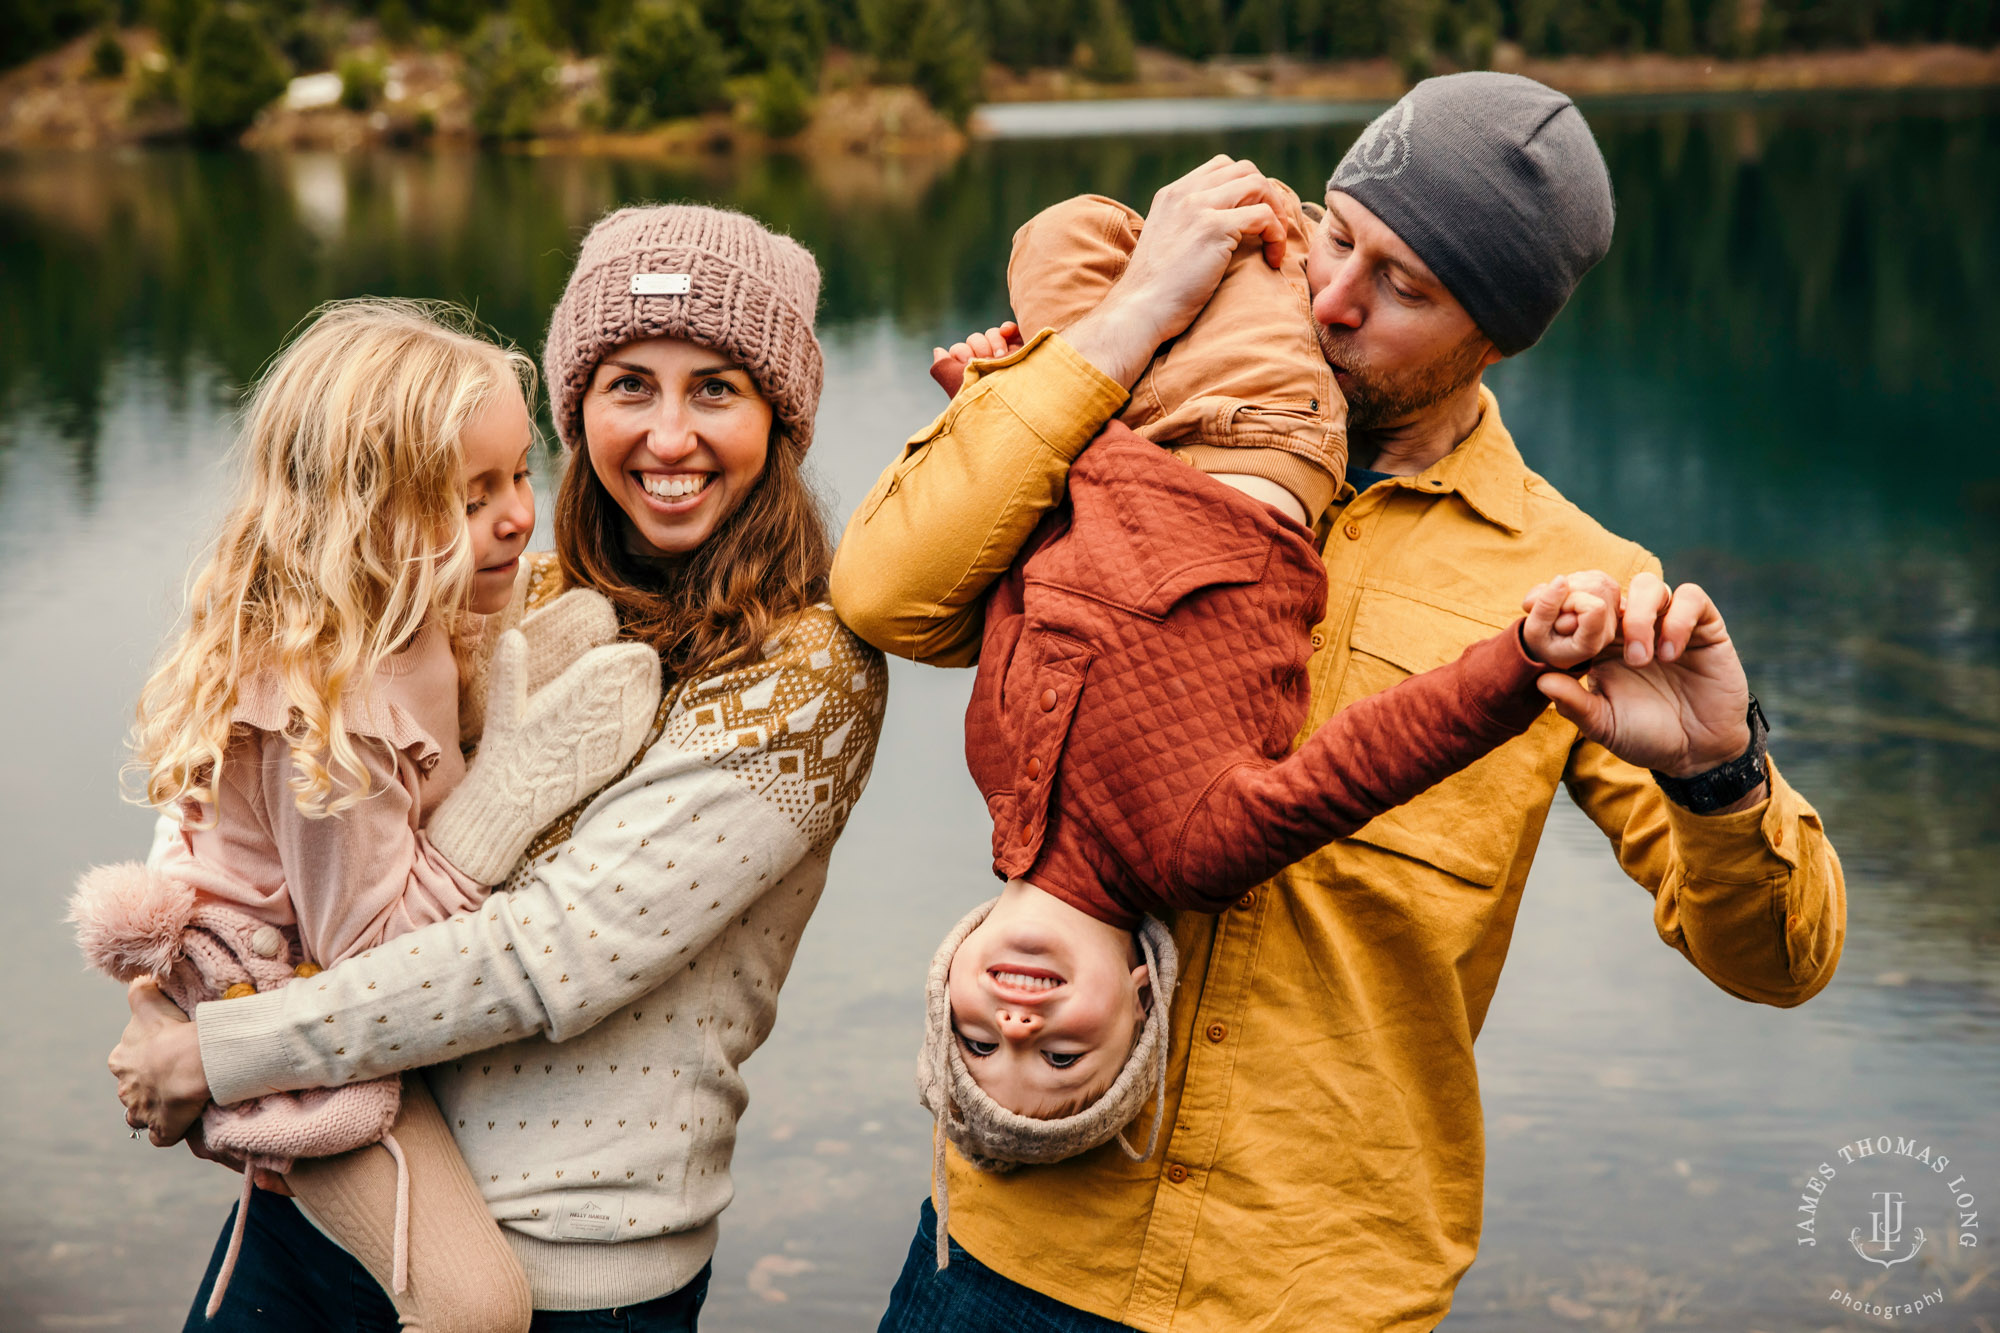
[941, 1190]
[1159, 1064]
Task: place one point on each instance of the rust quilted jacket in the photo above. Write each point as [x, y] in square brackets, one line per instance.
[1142, 679]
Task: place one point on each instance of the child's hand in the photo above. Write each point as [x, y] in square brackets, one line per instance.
[1571, 618]
[948, 366]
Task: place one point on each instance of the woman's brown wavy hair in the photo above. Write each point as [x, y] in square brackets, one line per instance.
[714, 607]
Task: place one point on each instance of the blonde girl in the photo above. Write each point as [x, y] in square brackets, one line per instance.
[303, 726]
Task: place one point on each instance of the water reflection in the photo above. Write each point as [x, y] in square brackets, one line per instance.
[1780, 380]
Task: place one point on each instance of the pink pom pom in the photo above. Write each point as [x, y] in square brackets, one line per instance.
[129, 920]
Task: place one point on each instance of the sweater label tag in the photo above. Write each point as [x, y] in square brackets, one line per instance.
[586, 1217]
[662, 284]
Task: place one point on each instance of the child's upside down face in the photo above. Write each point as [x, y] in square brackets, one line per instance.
[1047, 1003]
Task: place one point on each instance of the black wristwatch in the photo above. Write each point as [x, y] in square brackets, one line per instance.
[1726, 784]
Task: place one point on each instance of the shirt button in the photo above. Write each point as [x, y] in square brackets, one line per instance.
[1216, 1032]
[1177, 1173]
[1248, 900]
[1034, 765]
[1791, 923]
[1353, 531]
[1048, 701]
[1318, 639]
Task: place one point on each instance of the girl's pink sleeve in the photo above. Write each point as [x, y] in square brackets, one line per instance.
[367, 874]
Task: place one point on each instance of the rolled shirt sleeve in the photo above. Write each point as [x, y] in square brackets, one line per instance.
[1754, 899]
[950, 514]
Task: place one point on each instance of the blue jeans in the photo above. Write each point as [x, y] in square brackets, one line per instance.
[969, 1297]
[290, 1277]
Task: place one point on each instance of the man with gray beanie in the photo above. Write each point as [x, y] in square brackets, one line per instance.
[1323, 1162]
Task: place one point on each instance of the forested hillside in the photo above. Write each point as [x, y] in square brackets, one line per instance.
[219, 61]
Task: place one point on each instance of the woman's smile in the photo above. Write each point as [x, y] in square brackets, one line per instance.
[676, 492]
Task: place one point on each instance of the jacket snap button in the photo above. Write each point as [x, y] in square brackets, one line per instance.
[1034, 765]
[1353, 531]
[1216, 1032]
[1248, 900]
[1048, 701]
[1177, 1173]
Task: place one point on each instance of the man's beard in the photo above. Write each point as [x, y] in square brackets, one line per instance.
[1378, 398]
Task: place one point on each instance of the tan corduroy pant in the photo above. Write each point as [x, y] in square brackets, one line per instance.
[462, 1276]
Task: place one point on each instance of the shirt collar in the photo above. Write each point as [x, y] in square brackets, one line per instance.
[1485, 470]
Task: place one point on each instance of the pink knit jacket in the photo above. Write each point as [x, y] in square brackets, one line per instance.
[263, 894]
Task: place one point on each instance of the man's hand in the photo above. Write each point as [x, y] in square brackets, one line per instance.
[948, 364]
[1677, 700]
[1571, 618]
[1191, 233]
[158, 1066]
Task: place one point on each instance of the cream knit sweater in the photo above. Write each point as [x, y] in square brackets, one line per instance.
[585, 1025]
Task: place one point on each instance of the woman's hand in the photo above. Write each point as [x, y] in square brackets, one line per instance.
[948, 364]
[262, 1177]
[158, 1066]
[1193, 230]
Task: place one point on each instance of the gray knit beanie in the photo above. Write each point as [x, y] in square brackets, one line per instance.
[1495, 181]
[993, 1138]
[708, 275]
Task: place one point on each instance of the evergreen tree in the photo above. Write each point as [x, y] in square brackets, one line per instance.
[1109, 38]
[175, 21]
[929, 44]
[507, 78]
[664, 64]
[788, 33]
[232, 72]
[1196, 29]
[782, 104]
[1677, 28]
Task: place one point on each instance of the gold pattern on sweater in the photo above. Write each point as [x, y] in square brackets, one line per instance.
[785, 732]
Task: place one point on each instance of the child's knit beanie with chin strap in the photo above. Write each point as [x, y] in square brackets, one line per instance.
[708, 275]
[993, 1138]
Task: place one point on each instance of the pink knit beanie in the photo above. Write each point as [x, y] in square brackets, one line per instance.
[708, 275]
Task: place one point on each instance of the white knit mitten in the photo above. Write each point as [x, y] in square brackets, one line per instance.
[543, 753]
[557, 635]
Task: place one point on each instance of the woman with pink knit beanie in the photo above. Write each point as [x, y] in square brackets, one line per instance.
[583, 1029]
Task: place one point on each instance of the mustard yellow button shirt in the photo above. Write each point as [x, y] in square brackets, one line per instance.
[1324, 1161]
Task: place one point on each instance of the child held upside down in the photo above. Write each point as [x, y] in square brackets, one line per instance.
[1141, 679]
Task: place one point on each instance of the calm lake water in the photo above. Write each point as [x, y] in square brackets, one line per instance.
[1782, 380]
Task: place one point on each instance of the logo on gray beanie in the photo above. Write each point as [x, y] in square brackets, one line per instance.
[1382, 151]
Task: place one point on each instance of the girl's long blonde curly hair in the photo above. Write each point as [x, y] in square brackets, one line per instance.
[346, 534]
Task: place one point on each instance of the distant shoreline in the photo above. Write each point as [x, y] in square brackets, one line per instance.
[52, 102]
[1873, 68]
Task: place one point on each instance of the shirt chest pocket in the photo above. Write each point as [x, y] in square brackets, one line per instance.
[1043, 688]
[1471, 824]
